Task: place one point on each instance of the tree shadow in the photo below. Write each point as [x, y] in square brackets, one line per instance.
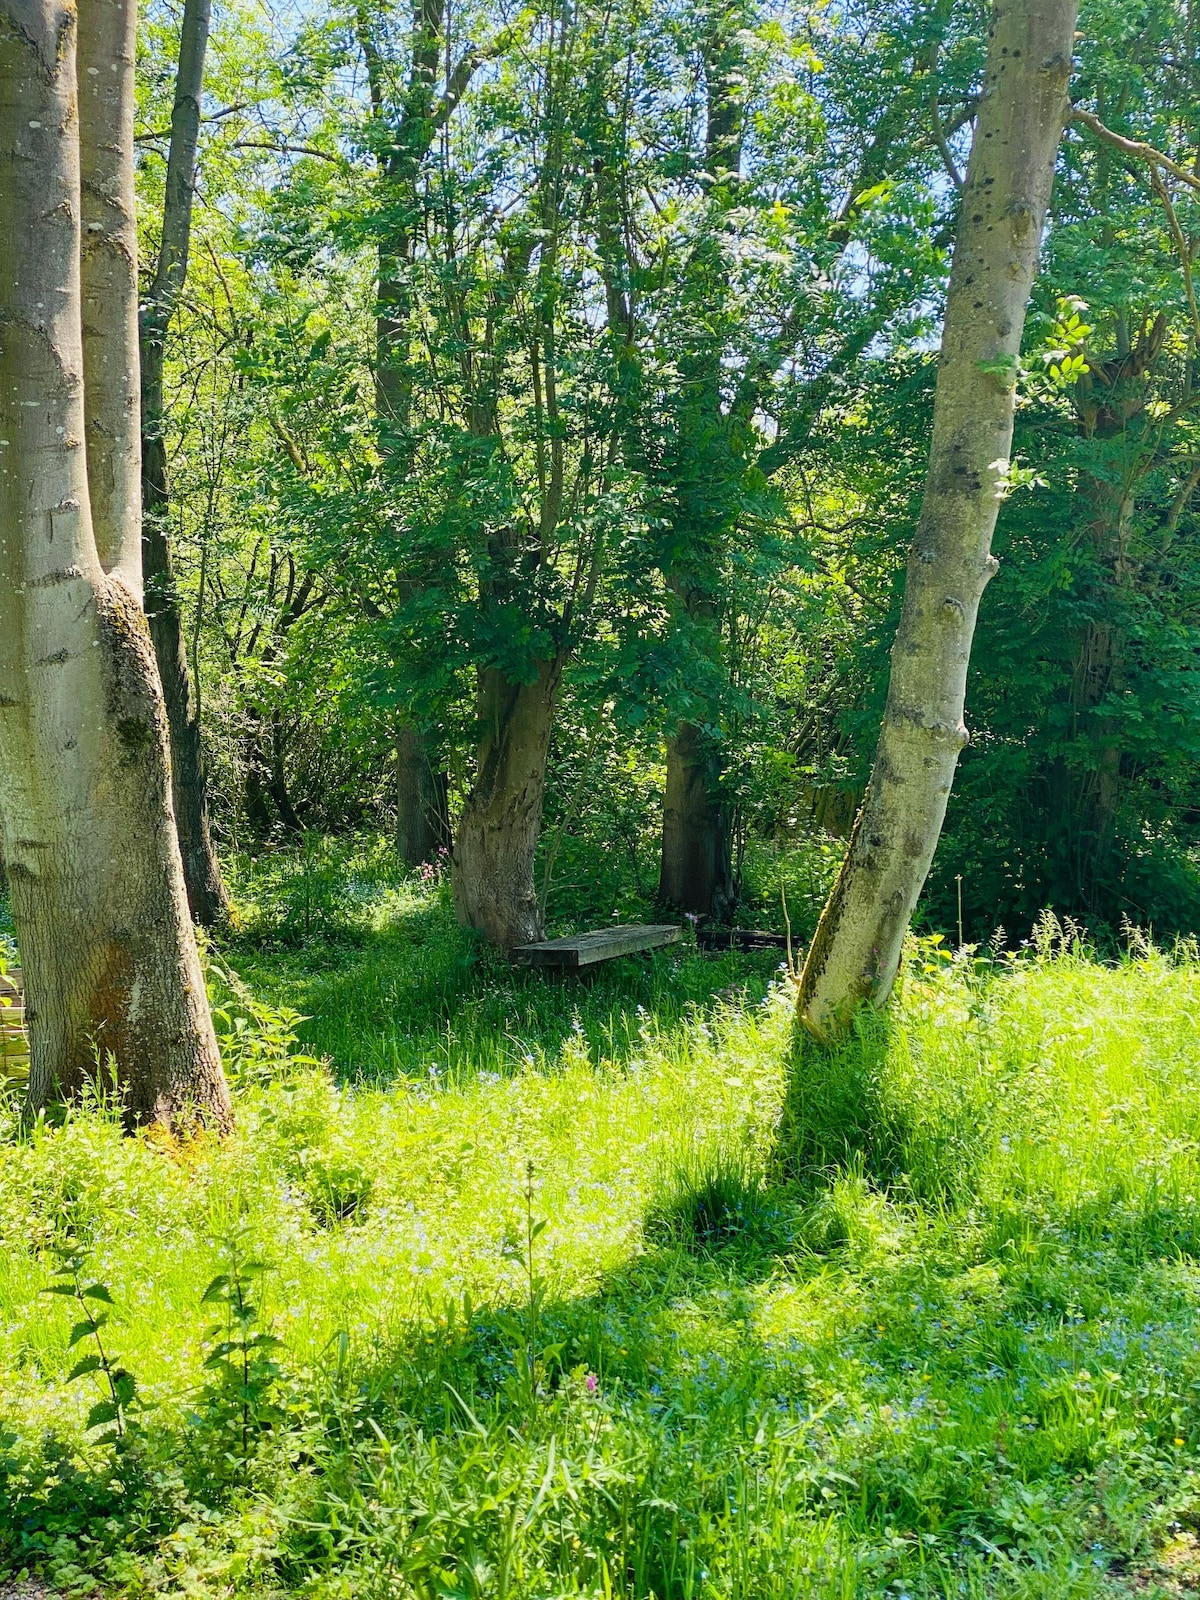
[420, 994]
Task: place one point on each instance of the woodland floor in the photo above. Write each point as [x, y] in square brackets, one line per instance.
[611, 1287]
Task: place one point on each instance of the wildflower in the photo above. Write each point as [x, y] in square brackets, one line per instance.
[590, 1380]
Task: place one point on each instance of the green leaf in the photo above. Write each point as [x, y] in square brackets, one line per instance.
[82, 1330]
[103, 1411]
[61, 1288]
[216, 1289]
[83, 1366]
[124, 1386]
[97, 1291]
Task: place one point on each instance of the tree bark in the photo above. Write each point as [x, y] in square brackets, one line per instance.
[207, 895]
[86, 827]
[856, 949]
[696, 873]
[421, 800]
[108, 280]
[492, 865]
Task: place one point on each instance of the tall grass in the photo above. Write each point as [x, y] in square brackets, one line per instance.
[686, 1309]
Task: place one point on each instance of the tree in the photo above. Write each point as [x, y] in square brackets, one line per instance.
[402, 136]
[86, 824]
[797, 195]
[1080, 788]
[856, 949]
[207, 895]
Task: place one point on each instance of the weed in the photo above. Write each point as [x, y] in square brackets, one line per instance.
[120, 1385]
[238, 1403]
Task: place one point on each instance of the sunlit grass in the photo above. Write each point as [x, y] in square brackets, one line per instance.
[917, 1317]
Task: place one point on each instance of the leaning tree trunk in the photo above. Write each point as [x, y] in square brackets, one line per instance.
[498, 831]
[86, 827]
[856, 949]
[207, 895]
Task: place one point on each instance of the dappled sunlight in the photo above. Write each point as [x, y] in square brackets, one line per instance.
[751, 1363]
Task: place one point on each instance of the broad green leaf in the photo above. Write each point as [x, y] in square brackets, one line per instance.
[103, 1411]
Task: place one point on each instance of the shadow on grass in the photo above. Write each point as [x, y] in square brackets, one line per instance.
[419, 993]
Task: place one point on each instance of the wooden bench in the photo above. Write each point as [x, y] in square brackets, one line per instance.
[14, 1044]
[604, 944]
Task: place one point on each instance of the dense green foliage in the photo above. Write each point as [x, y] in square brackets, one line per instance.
[590, 349]
[598, 342]
[618, 1290]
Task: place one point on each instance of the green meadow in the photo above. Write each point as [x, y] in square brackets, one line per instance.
[532, 1286]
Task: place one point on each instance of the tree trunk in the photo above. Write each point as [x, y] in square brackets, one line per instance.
[207, 895]
[498, 830]
[108, 283]
[208, 898]
[697, 871]
[422, 819]
[86, 828]
[856, 949]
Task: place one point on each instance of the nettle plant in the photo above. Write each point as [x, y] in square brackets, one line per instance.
[240, 1400]
[119, 1397]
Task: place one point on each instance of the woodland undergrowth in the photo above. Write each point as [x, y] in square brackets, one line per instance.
[517, 1286]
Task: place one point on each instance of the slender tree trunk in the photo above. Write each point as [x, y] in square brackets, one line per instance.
[696, 863]
[422, 792]
[856, 949]
[697, 870]
[498, 830]
[207, 895]
[86, 826]
[266, 779]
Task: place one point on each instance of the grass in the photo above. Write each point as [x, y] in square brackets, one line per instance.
[617, 1289]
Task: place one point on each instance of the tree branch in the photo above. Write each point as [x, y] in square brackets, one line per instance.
[1137, 148]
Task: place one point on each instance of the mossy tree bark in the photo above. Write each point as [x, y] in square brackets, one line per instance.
[207, 895]
[497, 837]
[86, 825]
[856, 949]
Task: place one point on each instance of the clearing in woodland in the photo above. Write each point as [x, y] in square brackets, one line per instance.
[527, 1286]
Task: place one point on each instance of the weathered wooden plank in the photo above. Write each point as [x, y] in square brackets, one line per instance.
[602, 944]
[14, 1044]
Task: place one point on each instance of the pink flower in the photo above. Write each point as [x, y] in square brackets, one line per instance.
[590, 1380]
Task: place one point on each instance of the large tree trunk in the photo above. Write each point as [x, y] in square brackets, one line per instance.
[86, 828]
[498, 830]
[856, 950]
[697, 870]
[108, 283]
[207, 895]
